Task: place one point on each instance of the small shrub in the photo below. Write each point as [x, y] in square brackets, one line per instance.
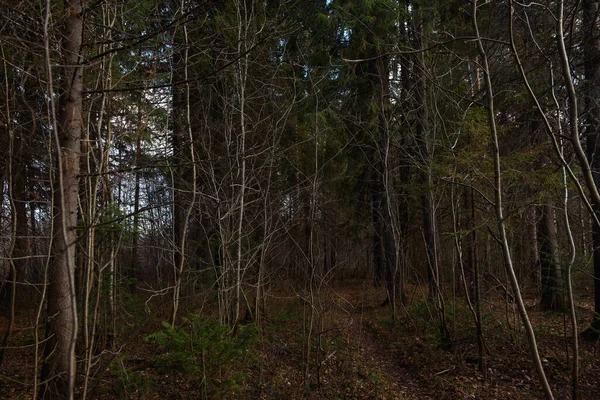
[205, 350]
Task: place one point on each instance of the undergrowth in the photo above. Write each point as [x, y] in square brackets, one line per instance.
[207, 352]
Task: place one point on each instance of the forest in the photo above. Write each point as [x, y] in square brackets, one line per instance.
[301, 199]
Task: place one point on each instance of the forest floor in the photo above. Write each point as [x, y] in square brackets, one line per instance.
[356, 351]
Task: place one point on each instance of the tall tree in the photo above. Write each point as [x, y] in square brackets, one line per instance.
[59, 369]
[499, 206]
[549, 264]
[369, 29]
[184, 175]
[424, 138]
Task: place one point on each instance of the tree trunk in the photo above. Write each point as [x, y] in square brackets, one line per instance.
[131, 272]
[179, 165]
[535, 248]
[59, 368]
[499, 209]
[422, 114]
[378, 265]
[474, 266]
[184, 179]
[549, 267]
[427, 206]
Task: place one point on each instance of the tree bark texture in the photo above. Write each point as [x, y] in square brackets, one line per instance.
[549, 265]
[58, 370]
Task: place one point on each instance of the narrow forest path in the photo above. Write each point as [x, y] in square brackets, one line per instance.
[397, 377]
[401, 383]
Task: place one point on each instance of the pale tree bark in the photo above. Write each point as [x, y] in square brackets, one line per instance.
[499, 209]
[570, 295]
[97, 165]
[571, 262]
[59, 368]
[569, 285]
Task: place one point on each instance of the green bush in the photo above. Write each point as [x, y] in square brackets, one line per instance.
[205, 350]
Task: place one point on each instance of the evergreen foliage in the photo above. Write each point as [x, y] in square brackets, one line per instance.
[206, 351]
